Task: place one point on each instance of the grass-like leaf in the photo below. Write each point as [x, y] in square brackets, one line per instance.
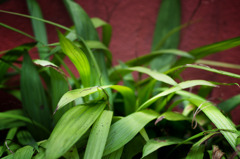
[154, 74]
[98, 136]
[73, 124]
[175, 88]
[38, 28]
[204, 51]
[122, 131]
[213, 113]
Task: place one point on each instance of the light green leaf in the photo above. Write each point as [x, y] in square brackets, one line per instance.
[78, 58]
[154, 74]
[24, 153]
[154, 144]
[122, 131]
[213, 113]
[98, 136]
[73, 124]
[175, 88]
[128, 94]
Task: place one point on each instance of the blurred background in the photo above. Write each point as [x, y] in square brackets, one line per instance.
[133, 23]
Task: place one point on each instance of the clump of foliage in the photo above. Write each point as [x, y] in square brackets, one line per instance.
[94, 117]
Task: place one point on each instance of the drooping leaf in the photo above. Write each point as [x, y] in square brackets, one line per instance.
[175, 88]
[73, 124]
[98, 136]
[214, 114]
[206, 68]
[122, 131]
[156, 75]
[38, 28]
[128, 94]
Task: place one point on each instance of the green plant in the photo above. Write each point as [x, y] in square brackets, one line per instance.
[92, 121]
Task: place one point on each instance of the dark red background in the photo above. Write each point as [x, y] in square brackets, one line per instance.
[133, 24]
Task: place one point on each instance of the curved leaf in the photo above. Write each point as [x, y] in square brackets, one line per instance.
[175, 88]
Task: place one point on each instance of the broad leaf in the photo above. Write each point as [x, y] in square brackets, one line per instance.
[122, 131]
[73, 124]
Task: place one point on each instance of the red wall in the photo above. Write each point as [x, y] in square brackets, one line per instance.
[133, 23]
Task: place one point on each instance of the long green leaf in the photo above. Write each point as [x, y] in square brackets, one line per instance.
[78, 58]
[122, 131]
[114, 155]
[175, 88]
[206, 68]
[145, 59]
[59, 85]
[73, 124]
[38, 27]
[98, 136]
[154, 144]
[218, 64]
[168, 19]
[208, 50]
[33, 97]
[215, 115]
[156, 75]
